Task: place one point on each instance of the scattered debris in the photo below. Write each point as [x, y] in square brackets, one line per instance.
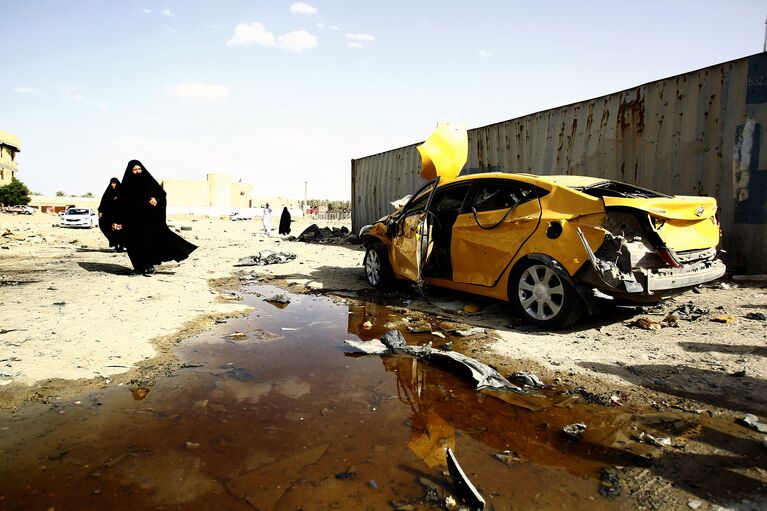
[526, 379]
[574, 431]
[237, 335]
[471, 308]
[485, 376]
[694, 503]
[609, 483]
[438, 334]
[724, 318]
[372, 347]
[315, 234]
[344, 475]
[738, 374]
[468, 332]
[757, 316]
[185, 228]
[649, 439]
[278, 298]
[139, 393]
[690, 312]
[644, 324]
[752, 421]
[367, 325]
[192, 446]
[508, 457]
[465, 491]
[607, 399]
[419, 327]
[266, 257]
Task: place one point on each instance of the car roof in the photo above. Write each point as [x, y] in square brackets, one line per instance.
[558, 180]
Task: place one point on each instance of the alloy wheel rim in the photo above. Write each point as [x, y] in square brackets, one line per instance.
[373, 267]
[541, 292]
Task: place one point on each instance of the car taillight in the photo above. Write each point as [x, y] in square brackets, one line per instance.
[669, 257]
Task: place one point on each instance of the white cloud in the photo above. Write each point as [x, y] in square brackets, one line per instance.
[248, 35]
[297, 41]
[320, 25]
[147, 11]
[335, 27]
[168, 13]
[198, 93]
[27, 90]
[217, 27]
[302, 8]
[360, 37]
[483, 53]
[352, 44]
[170, 28]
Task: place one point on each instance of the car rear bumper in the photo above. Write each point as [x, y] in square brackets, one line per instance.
[685, 277]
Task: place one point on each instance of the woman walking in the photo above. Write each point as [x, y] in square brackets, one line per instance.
[108, 212]
[142, 220]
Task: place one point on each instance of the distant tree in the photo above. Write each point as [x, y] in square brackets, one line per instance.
[60, 194]
[14, 193]
[88, 195]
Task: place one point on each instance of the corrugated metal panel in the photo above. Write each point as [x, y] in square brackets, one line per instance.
[699, 133]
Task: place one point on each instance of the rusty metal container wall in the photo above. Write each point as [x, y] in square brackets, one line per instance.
[379, 179]
[698, 133]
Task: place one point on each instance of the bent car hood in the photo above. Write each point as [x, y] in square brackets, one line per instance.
[445, 152]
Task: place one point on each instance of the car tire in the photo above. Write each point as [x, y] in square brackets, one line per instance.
[542, 297]
[378, 270]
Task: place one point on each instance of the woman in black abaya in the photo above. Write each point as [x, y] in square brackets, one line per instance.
[142, 220]
[285, 221]
[108, 212]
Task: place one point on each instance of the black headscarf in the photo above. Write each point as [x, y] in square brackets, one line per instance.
[135, 192]
[108, 206]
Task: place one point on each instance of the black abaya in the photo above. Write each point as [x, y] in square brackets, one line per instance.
[147, 237]
[108, 213]
[284, 222]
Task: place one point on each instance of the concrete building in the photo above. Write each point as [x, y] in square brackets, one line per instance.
[217, 192]
[9, 147]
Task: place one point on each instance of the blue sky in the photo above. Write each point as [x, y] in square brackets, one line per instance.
[277, 92]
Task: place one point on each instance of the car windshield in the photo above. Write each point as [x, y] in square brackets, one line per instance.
[618, 189]
[77, 212]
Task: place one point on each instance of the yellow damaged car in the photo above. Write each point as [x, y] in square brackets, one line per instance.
[551, 245]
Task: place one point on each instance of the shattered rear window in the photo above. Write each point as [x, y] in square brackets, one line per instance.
[618, 189]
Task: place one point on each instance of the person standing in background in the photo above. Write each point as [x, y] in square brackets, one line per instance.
[108, 210]
[284, 221]
[267, 219]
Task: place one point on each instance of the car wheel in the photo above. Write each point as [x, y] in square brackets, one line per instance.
[542, 297]
[377, 268]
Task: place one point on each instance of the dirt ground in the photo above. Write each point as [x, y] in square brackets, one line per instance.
[75, 318]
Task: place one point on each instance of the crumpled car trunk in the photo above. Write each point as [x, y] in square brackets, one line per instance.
[656, 246]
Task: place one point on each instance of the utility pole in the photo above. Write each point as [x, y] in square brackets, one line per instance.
[306, 183]
[764, 48]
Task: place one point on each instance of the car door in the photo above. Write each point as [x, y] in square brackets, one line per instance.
[500, 216]
[411, 240]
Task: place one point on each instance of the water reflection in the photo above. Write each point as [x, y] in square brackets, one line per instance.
[271, 418]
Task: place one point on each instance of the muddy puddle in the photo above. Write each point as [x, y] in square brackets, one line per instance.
[274, 411]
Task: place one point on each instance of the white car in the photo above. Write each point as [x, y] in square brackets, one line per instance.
[79, 217]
